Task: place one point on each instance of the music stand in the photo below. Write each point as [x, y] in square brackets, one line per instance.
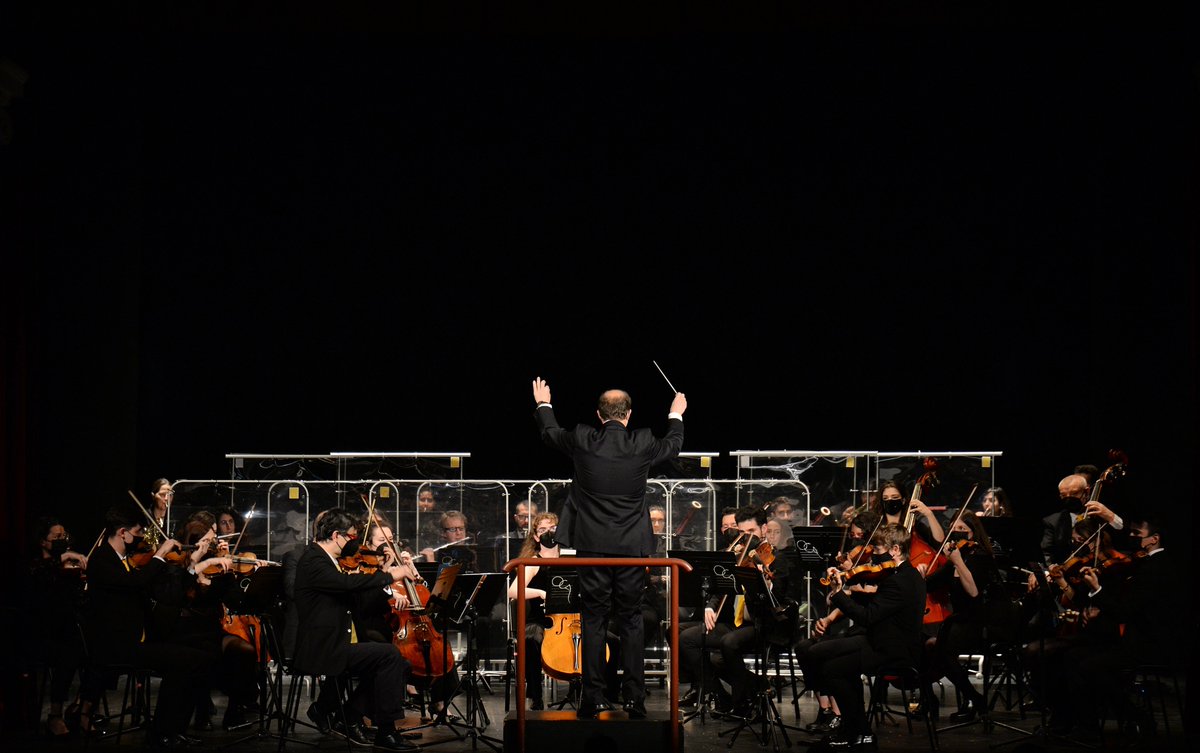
[1023, 545]
[461, 598]
[260, 594]
[816, 547]
[712, 575]
[563, 597]
[752, 584]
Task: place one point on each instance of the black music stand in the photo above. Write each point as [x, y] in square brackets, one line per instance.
[461, 598]
[261, 594]
[564, 597]
[712, 575]
[816, 548]
[1024, 546]
[752, 583]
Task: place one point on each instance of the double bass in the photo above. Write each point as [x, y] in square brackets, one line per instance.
[920, 554]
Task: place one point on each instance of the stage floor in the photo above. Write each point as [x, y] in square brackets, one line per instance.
[707, 735]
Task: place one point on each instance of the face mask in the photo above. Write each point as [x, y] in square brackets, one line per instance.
[1073, 505]
[880, 559]
[893, 506]
[351, 548]
[959, 536]
[547, 540]
[58, 547]
[136, 544]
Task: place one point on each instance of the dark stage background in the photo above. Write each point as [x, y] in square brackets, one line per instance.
[828, 241]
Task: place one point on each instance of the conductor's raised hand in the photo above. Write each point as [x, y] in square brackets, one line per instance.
[541, 390]
[678, 405]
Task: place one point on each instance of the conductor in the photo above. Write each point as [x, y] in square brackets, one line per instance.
[605, 515]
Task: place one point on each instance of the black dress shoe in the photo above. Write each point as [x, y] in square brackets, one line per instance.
[235, 718]
[319, 718]
[963, 715]
[185, 740]
[352, 731]
[537, 704]
[635, 709]
[820, 724]
[164, 743]
[393, 741]
[852, 742]
[689, 699]
[589, 709]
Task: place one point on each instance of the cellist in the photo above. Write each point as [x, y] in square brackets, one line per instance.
[539, 542]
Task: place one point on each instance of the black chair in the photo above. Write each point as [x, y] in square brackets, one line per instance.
[906, 679]
[135, 701]
[291, 717]
[1146, 687]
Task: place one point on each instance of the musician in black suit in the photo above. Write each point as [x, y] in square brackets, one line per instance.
[892, 618]
[1142, 595]
[115, 623]
[327, 640]
[606, 516]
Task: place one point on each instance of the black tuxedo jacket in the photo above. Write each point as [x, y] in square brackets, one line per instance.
[117, 605]
[325, 599]
[892, 616]
[606, 508]
[1147, 603]
[1056, 536]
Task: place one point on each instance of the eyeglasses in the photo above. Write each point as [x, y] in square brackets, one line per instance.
[540, 531]
[455, 529]
[349, 536]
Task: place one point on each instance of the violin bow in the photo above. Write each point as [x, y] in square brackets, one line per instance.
[958, 516]
[149, 517]
[246, 521]
[98, 540]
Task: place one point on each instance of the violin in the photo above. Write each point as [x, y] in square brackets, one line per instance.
[765, 555]
[243, 564]
[868, 573]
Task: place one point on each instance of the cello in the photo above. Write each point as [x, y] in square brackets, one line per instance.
[415, 635]
[562, 645]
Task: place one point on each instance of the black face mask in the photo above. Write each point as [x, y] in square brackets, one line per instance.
[58, 548]
[136, 544]
[893, 506]
[959, 536]
[1073, 505]
[351, 548]
[880, 559]
[547, 540]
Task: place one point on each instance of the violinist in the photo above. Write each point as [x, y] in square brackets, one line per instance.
[55, 595]
[833, 624]
[892, 619]
[162, 494]
[327, 641]
[970, 582]
[1139, 594]
[204, 582]
[540, 543]
[742, 634]
[115, 630]
[1080, 624]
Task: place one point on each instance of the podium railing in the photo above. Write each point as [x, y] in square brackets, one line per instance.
[519, 566]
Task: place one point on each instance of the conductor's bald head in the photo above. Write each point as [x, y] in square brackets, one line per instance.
[614, 405]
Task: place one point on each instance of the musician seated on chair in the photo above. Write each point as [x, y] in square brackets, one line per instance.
[744, 629]
[327, 642]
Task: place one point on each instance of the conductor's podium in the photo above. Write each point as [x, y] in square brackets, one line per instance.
[610, 731]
